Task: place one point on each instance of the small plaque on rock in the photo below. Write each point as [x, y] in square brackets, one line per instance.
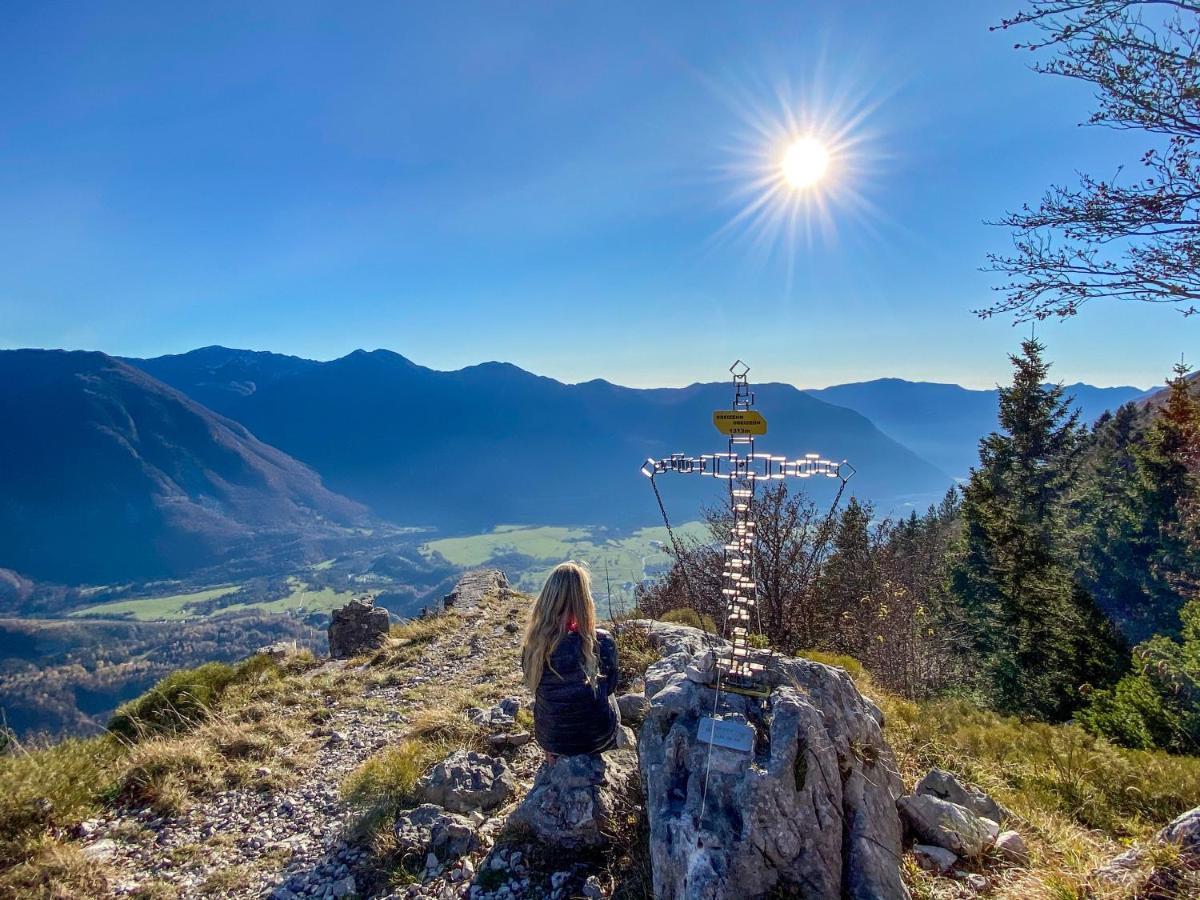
[728, 733]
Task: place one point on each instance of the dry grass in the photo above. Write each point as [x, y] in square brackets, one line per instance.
[1078, 799]
[634, 654]
[55, 871]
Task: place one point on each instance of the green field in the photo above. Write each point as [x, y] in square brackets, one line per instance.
[301, 597]
[177, 607]
[630, 558]
[151, 609]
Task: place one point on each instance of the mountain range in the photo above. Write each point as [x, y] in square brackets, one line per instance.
[493, 443]
[107, 473]
[143, 468]
[944, 422]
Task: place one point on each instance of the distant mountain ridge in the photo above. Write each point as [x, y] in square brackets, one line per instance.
[492, 443]
[107, 473]
[944, 422]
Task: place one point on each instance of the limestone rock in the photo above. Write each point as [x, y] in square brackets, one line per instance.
[473, 587]
[279, 651]
[626, 739]
[573, 803]
[816, 812]
[466, 781]
[633, 708]
[358, 627]
[508, 741]
[502, 715]
[1184, 830]
[430, 829]
[945, 786]
[934, 859]
[945, 824]
[992, 827]
[1011, 847]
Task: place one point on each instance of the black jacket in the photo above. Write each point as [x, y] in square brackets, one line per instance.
[570, 717]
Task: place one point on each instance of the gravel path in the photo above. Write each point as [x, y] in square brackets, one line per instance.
[297, 840]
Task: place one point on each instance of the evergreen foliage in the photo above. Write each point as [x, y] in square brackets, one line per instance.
[1158, 703]
[1035, 631]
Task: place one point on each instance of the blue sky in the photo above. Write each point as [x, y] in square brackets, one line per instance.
[549, 184]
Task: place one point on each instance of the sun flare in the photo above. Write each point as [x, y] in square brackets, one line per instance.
[805, 162]
[802, 162]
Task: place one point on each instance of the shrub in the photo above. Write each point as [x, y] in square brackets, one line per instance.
[685, 616]
[1158, 703]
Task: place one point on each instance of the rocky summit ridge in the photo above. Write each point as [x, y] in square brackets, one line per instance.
[408, 771]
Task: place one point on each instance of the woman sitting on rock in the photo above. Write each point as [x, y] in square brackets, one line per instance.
[571, 668]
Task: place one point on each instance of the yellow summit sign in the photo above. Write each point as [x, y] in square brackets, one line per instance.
[739, 421]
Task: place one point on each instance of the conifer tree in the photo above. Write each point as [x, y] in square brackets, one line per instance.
[1167, 461]
[848, 584]
[1110, 525]
[1027, 614]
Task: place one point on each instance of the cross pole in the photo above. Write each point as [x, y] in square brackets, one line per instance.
[743, 468]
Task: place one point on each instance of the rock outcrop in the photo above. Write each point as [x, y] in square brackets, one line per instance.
[430, 829]
[810, 808]
[466, 781]
[573, 803]
[473, 587]
[358, 627]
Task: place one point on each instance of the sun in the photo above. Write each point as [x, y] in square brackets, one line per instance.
[805, 162]
[802, 161]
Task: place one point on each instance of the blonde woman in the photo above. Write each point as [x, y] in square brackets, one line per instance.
[571, 668]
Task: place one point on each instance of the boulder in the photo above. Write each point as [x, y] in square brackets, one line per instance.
[508, 741]
[633, 708]
[502, 715]
[465, 781]
[1184, 830]
[945, 824]
[945, 786]
[574, 803]
[934, 859]
[810, 808]
[358, 627]
[279, 651]
[430, 829]
[1012, 849]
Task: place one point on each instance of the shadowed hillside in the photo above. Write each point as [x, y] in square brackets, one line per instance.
[106, 473]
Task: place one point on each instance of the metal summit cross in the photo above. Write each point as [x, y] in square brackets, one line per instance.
[743, 468]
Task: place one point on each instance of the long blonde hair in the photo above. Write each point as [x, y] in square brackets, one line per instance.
[566, 595]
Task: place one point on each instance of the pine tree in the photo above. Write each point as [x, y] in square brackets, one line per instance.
[1015, 581]
[848, 583]
[1167, 491]
[1110, 531]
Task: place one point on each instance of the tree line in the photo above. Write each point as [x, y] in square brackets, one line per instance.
[1057, 582]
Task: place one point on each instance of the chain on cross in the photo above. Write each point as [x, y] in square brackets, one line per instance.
[743, 468]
